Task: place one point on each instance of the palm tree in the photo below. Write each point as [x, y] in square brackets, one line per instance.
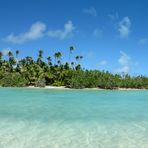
[22, 62]
[11, 60]
[77, 58]
[10, 54]
[66, 66]
[81, 57]
[17, 52]
[1, 55]
[59, 62]
[72, 64]
[78, 67]
[29, 60]
[49, 61]
[71, 49]
[57, 56]
[40, 56]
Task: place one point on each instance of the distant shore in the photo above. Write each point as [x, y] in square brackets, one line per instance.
[64, 87]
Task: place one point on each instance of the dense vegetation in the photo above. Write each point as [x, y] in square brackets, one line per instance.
[39, 73]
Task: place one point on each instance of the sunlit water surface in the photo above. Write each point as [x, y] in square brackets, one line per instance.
[39, 118]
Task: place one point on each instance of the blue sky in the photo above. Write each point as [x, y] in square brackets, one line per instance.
[111, 35]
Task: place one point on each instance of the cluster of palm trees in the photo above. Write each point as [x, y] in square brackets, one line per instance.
[11, 61]
[53, 71]
[57, 58]
[27, 71]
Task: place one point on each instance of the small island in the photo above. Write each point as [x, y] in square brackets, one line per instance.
[73, 74]
[27, 72]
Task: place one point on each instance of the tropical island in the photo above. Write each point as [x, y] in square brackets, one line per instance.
[40, 73]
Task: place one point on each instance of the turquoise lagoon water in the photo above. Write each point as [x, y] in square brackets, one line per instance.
[39, 118]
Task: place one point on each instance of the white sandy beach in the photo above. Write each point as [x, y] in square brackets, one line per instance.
[49, 87]
[64, 87]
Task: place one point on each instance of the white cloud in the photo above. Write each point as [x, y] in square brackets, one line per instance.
[62, 34]
[124, 59]
[36, 31]
[91, 11]
[124, 27]
[103, 62]
[97, 33]
[143, 41]
[113, 16]
[125, 63]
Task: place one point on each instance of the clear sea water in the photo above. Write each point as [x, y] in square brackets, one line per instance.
[39, 118]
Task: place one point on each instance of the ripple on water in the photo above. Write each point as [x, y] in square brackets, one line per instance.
[25, 134]
[73, 119]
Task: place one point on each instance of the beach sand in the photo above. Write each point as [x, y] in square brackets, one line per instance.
[64, 87]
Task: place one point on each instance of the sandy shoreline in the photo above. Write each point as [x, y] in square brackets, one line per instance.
[63, 87]
[130, 89]
[49, 87]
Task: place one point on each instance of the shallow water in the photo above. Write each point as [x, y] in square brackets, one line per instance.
[39, 118]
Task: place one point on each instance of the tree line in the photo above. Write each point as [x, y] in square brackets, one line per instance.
[52, 71]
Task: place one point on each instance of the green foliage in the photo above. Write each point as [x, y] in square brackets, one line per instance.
[13, 79]
[27, 71]
[58, 83]
[105, 80]
[82, 79]
[40, 82]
